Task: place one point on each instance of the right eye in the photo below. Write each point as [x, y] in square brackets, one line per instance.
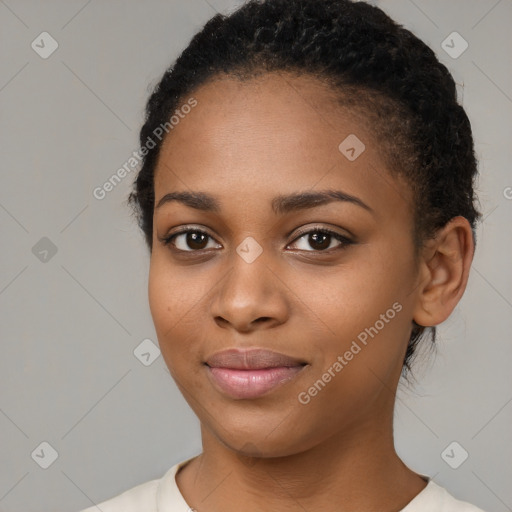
[188, 240]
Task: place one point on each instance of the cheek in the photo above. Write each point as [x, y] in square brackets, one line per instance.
[176, 302]
[162, 296]
[352, 297]
[365, 307]
[171, 294]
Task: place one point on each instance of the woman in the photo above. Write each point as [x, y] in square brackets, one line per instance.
[307, 198]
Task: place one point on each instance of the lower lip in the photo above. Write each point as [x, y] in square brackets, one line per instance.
[251, 383]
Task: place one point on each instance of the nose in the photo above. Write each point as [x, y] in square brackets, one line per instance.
[251, 296]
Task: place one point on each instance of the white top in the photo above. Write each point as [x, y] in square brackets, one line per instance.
[163, 495]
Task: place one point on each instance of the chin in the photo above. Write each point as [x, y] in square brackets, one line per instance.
[264, 436]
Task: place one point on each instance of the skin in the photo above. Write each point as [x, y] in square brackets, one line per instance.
[245, 143]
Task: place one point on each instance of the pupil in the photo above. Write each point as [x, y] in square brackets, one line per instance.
[194, 238]
[322, 244]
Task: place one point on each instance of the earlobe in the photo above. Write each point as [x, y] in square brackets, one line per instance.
[445, 265]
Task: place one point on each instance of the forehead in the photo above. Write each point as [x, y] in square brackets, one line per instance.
[275, 111]
[277, 133]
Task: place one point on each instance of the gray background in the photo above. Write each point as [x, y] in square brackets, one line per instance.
[70, 322]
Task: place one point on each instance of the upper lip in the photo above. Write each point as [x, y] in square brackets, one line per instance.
[251, 359]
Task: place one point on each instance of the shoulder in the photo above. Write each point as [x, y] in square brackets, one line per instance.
[153, 496]
[435, 497]
[141, 497]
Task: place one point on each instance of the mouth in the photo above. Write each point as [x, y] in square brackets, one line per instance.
[251, 373]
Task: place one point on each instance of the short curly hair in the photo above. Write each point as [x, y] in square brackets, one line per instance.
[383, 72]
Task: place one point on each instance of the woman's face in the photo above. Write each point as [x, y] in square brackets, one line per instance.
[265, 275]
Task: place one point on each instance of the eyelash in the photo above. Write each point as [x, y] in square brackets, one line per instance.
[342, 239]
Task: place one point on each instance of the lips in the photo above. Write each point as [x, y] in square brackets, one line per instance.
[251, 359]
[251, 373]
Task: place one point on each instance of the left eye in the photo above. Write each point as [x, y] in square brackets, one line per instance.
[322, 239]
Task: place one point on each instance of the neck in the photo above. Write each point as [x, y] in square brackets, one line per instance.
[357, 470]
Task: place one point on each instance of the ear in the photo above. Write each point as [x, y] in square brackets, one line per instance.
[444, 270]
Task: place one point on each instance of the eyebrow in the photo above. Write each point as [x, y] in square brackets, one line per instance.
[281, 204]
